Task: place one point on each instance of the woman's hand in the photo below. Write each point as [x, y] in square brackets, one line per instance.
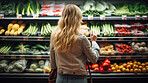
[93, 36]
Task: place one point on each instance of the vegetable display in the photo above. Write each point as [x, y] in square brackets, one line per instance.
[124, 49]
[91, 7]
[108, 30]
[3, 65]
[46, 29]
[106, 49]
[96, 29]
[32, 30]
[5, 48]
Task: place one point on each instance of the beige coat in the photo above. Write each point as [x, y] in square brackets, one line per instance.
[74, 61]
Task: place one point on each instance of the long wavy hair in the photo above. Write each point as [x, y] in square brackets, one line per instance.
[66, 33]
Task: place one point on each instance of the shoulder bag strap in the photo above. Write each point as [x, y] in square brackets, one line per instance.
[89, 72]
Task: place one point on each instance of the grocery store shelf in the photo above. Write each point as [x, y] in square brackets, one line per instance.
[38, 38]
[93, 74]
[58, 17]
[24, 56]
[102, 57]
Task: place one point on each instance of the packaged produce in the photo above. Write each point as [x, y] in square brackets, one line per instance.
[124, 49]
[123, 30]
[3, 65]
[138, 29]
[47, 68]
[17, 66]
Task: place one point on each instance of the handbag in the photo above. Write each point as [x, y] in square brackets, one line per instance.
[52, 76]
[91, 81]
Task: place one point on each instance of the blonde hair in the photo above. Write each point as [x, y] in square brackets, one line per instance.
[66, 33]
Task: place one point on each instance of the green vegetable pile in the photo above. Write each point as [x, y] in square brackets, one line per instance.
[36, 66]
[131, 9]
[3, 65]
[5, 48]
[32, 30]
[46, 29]
[91, 7]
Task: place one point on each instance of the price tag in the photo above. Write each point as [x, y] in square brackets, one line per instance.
[13, 57]
[144, 57]
[90, 17]
[102, 17]
[104, 39]
[1, 15]
[22, 57]
[25, 38]
[124, 17]
[137, 17]
[1, 57]
[128, 57]
[144, 17]
[35, 16]
[38, 57]
[40, 39]
[4, 38]
[19, 15]
[120, 39]
[134, 39]
[119, 57]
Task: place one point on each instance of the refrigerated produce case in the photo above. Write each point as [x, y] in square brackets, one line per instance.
[116, 45]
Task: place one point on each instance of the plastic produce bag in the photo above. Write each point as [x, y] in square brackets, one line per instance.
[3, 65]
[17, 66]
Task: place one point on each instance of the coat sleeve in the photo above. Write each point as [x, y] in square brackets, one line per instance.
[52, 58]
[91, 53]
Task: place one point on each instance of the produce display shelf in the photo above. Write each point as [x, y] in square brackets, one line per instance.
[58, 17]
[38, 38]
[102, 57]
[24, 56]
[2, 75]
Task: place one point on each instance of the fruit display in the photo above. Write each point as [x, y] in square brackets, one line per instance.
[17, 66]
[130, 66]
[139, 47]
[36, 66]
[131, 9]
[5, 48]
[91, 7]
[1, 30]
[103, 66]
[3, 65]
[106, 49]
[39, 49]
[108, 30]
[123, 30]
[124, 49]
[15, 28]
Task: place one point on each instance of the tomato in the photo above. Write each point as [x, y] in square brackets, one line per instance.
[95, 66]
[96, 69]
[107, 61]
[89, 66]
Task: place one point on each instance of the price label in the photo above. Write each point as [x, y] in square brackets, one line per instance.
[90, 17]
[19, 15]
[1, 15]
[102, 17]
[120, 39]
[144, 17]
[124, 17]
[128, 57]
[144, 57]
[22, 57]
[38, 57]
[25, 38]
[1, 57]
[35, 16]
[13, 57]
[119, 57]
[104, 39]
[137, 17]
[4, 38]
[40, 39]
[134, 39]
